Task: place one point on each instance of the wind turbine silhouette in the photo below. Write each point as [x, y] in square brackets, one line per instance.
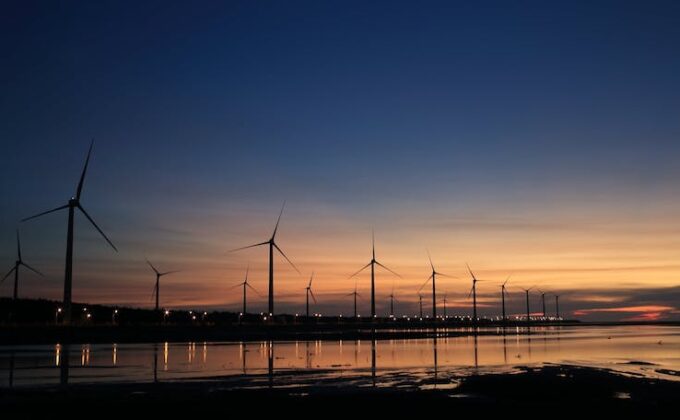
[542, 300]
[420, 304]
[309, 293]
[157, 288]
[18, 263]
[473, 292]
[392, 299]
[372, 264]
[433, 277]
[272, 244]
[557, 306]
[245, 285]
[444, 300]
[355, 294]
[72, 205]
[527, 301]
[503, 297]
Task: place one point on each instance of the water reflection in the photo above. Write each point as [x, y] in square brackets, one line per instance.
[438, 355]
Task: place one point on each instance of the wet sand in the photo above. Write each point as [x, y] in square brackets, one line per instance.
[554, 387]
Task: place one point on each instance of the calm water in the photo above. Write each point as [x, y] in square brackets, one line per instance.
[640, 350]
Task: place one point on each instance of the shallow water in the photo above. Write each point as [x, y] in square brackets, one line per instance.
[651, 351]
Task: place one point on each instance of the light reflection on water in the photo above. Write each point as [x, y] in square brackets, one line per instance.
[648, 350]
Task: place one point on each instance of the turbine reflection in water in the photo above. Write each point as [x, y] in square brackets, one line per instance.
[440, 357]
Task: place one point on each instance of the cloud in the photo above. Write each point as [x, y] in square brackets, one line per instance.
[640, 313]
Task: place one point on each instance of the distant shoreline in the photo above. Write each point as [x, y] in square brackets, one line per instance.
[35, 321]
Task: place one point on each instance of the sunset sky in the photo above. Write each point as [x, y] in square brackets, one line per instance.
[540, 142]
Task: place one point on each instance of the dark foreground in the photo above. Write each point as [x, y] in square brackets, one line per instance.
[558, 389]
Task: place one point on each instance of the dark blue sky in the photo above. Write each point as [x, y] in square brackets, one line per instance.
[350, 108]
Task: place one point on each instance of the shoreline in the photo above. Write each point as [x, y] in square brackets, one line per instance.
[96, 334]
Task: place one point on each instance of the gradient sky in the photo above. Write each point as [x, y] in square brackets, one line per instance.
[525, 138]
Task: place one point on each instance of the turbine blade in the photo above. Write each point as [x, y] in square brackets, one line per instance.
[152, 267]
[7, 275]
[65, 206]
[31, 268]
[249, 246]
[425, 284]
[430, 258]
[507, 280]
[310, 280]
[82, 175]
[362, 269]
[18, 245]
[289, 261]
[446, 275]
[470, 270]
[276, 228]
[388, 269]
[97, 227]
[169, 272]
[470, 294]
[312, 294]
[373, 242]
[235, 286]
[254, 290]
[153, 292]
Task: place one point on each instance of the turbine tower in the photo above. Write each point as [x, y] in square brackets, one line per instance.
[309, 293]
[543, 301]
[444, 300]
[392, 299]
[433, 277]
[246, 285]
[527, 302]
[372, 264]
[557, 306]
[473, 292]
[272, 245]
[420, 304]
[72, 205]
[18, 263]
[355, 294]
[157, 287]
[503, 298]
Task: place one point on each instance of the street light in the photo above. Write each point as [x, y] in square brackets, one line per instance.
[56, 315]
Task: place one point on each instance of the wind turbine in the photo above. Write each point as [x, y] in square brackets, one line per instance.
[444, 300]
[245, 285]
[503, 297]
[527, 300]
[392, 299]
[355, 294]
[157, 288]
[473, 292]
[433, 277]
[72, 205]
[18, 263]
[372, 264]
[310, 293]
[420, 304]
[557, 306]
[542, 301]
[272, 244]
